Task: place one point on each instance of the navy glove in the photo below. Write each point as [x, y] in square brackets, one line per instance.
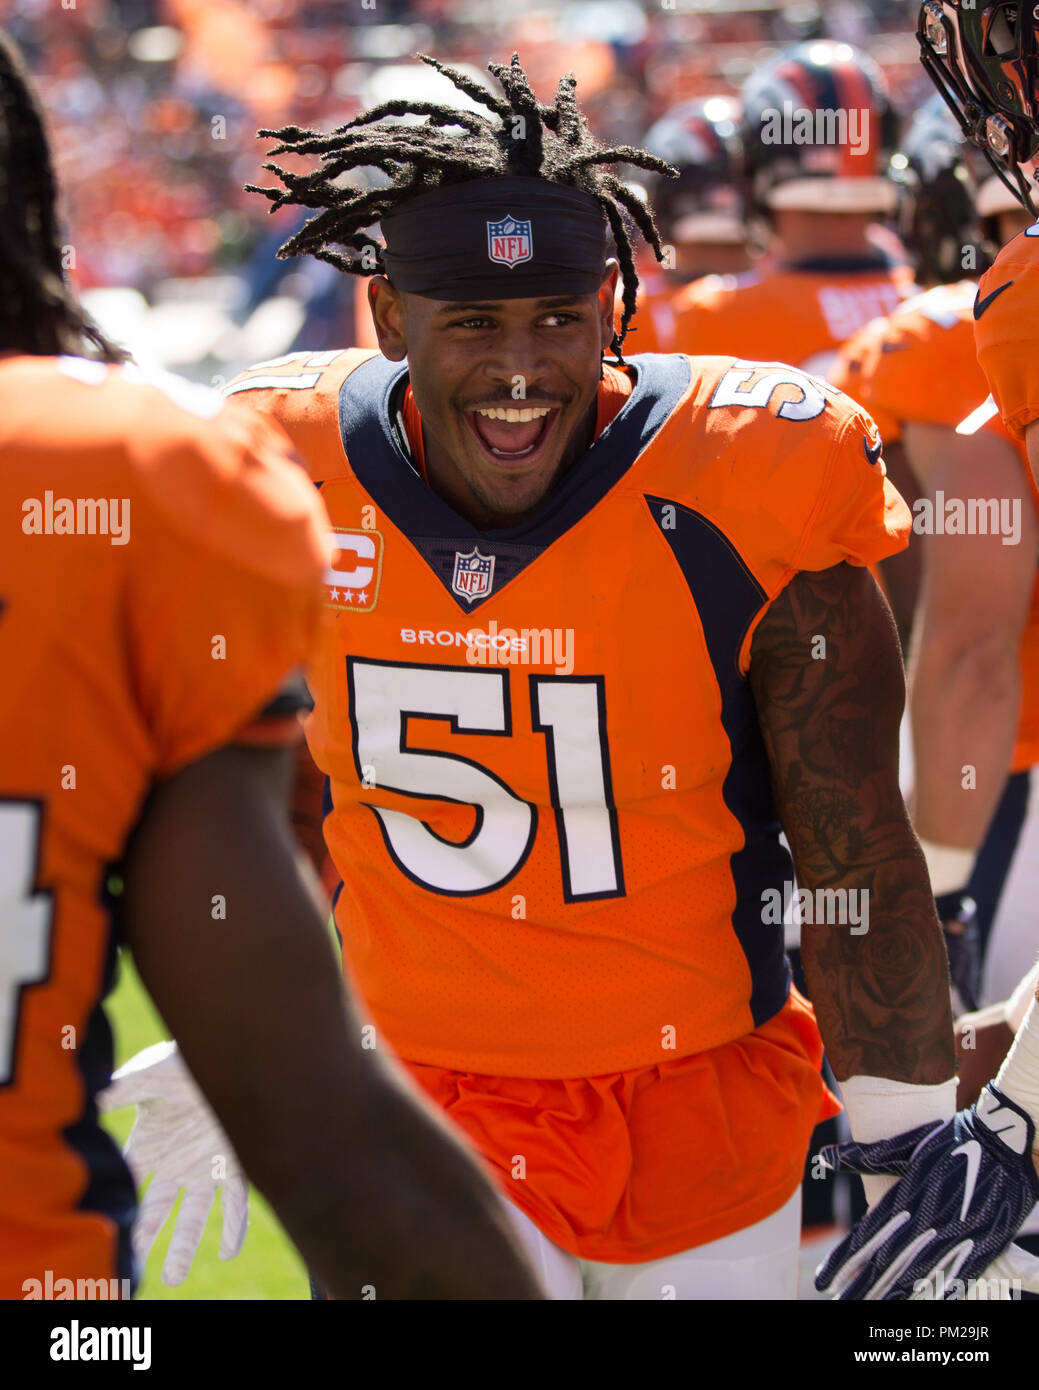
[963, 947]
[965, 1188]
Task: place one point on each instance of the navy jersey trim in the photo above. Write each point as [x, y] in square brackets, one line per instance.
[367, 409]
[988, 880]
[728, 598]
[293, 697]
[110, 1190]
[841, 265]
[331, 913]
[327, 807]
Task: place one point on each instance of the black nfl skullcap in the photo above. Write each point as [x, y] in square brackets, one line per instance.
[504, 238]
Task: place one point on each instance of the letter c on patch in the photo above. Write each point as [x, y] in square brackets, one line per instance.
[357, 544]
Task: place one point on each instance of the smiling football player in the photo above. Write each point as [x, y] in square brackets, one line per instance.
[558, 890]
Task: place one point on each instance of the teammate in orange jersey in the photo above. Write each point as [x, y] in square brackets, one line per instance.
[816, 133]
[985, 63]
[820, 191]
[936, 219]
[595, 632]
[148, 636]
[914, 371]
[983, 59]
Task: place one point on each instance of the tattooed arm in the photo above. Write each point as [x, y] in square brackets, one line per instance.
[830, 727]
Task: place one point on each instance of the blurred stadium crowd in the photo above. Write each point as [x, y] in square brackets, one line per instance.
[154, 107]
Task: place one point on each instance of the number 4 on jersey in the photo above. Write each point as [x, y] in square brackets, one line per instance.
[571, 713]
[26, 917]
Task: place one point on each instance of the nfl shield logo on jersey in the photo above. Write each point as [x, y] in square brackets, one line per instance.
[510, 241]
[473, 576]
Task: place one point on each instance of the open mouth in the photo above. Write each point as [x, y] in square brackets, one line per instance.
[512, 434]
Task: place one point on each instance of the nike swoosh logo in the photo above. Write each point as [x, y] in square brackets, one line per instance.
[980, 305]
[872, 454]
[1013, 1129]
[971, 1151]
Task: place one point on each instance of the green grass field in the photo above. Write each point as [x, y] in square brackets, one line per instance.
[268, 1266]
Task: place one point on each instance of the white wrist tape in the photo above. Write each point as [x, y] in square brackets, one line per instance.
[1017, 1004]
[879, 1108]
[949, 866]
[1018, 1077]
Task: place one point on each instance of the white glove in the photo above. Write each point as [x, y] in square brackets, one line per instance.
[178, 1138]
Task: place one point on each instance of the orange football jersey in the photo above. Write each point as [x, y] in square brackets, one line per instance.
[548, 798]
[1005, 331]
[653, 327]
[920, 364]
[798, 314]
[141, 627]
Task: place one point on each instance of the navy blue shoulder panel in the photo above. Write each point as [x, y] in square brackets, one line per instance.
[728, 598]
[365, 421]
[367, 409]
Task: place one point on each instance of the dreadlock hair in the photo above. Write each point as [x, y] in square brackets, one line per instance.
[522, 136]
[39, 313]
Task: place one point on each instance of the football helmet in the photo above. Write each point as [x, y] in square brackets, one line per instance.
[984, 60]
[701, 140]
[936, 216]
[818, 131]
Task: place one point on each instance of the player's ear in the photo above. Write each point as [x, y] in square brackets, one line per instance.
[387, 309]
[607, 301]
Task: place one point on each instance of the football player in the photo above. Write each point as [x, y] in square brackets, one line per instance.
[817, 131]
[596, 631]
[953, 215]
[978, 644]
[699, 213]
[983, 59]
[936, 218]
[148, 636]
[820, 190]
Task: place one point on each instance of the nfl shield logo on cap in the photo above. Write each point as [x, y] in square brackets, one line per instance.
[473, 576]
[510, 241]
